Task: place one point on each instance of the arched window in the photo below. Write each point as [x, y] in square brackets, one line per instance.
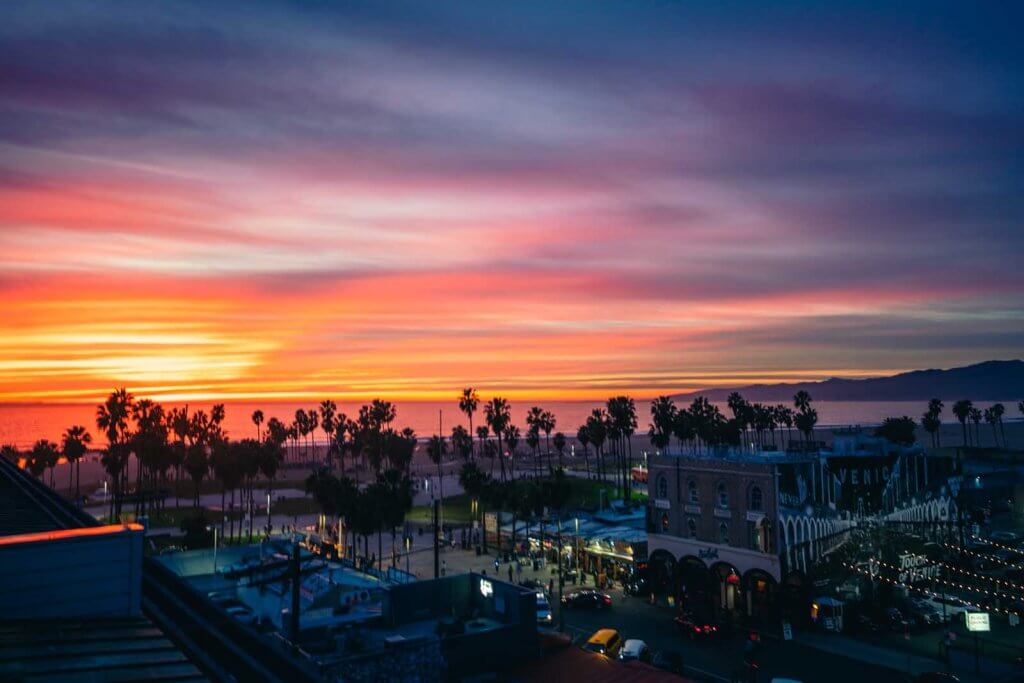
[691, 527]
[723, 533]
[756, 502]
[662, 486]
[723, 495]
[664, 521]
[694, 496]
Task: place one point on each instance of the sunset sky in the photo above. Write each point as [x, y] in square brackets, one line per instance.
[235, 201]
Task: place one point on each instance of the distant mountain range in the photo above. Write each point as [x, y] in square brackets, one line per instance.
[994, 380]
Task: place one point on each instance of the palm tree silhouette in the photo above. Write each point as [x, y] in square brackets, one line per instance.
[560, 447]
[328, 412]
[76, 442]
[583, 436]
[436, 448]
[998, 410]
[257, 419]
[468, 403]
[962, 411]
[512, 435]
[498, 413]
[975, 416]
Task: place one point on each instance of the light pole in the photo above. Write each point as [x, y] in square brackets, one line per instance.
[576, 549]
[213, 528]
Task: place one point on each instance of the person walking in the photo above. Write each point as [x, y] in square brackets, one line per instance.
[510, 573]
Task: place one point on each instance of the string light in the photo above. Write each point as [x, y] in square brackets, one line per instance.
[955, 584]
[997, 544]
[983, 556]
[931, 593]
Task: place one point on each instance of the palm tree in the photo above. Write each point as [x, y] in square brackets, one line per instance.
[663, 415]
[802, 401]
[462, 442]
[112, 419]
[998, 410]
[962, 411]
[597, 432]
[583, 436]
[992, 421]
[468, 403]
[498, 413]
[930, 423]
[328, 411]
[560, 447]
[512, 435]
[196, 465]
[548, 422]
[482, 432]
[270, 458]
[533, 443]
[76, 442]
[975, 416]
[257, 419]
[44, 456]
[534, 420]
[436, 449]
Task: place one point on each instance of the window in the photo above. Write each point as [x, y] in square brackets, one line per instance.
[723, 496]
[756, 502]
[691, 527]
[694, 496]
[723, 533]
[662, 487]
[664, 521]
[753, 536]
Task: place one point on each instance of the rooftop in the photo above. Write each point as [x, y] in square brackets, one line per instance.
[125, 649]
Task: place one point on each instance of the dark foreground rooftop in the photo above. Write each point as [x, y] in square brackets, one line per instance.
[77, 651]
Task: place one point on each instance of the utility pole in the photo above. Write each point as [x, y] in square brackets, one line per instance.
[437, 559]
[561, 582]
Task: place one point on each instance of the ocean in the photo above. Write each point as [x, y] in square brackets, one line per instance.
[23, 424]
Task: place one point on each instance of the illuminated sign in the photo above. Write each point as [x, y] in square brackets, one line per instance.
[486, 588]
[977, 621]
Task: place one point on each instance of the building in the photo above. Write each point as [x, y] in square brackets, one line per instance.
[741, 531]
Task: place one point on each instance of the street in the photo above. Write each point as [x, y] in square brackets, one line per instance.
[633, 617]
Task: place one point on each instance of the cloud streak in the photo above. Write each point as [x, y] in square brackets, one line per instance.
[559, 201]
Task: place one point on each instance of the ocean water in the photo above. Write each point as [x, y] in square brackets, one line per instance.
[22, 424]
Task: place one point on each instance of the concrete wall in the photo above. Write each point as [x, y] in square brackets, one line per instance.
[94, 572]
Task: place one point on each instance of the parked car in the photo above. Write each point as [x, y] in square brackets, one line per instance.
[865, 625]
[544, 616]
[587, 599]
[921, 613]
[635, 649]
[606, 641]
[668, 660]
[950, 606]
[696, 625]
[896, 621]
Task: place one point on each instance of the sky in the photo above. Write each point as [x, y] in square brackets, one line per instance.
[288, 200]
